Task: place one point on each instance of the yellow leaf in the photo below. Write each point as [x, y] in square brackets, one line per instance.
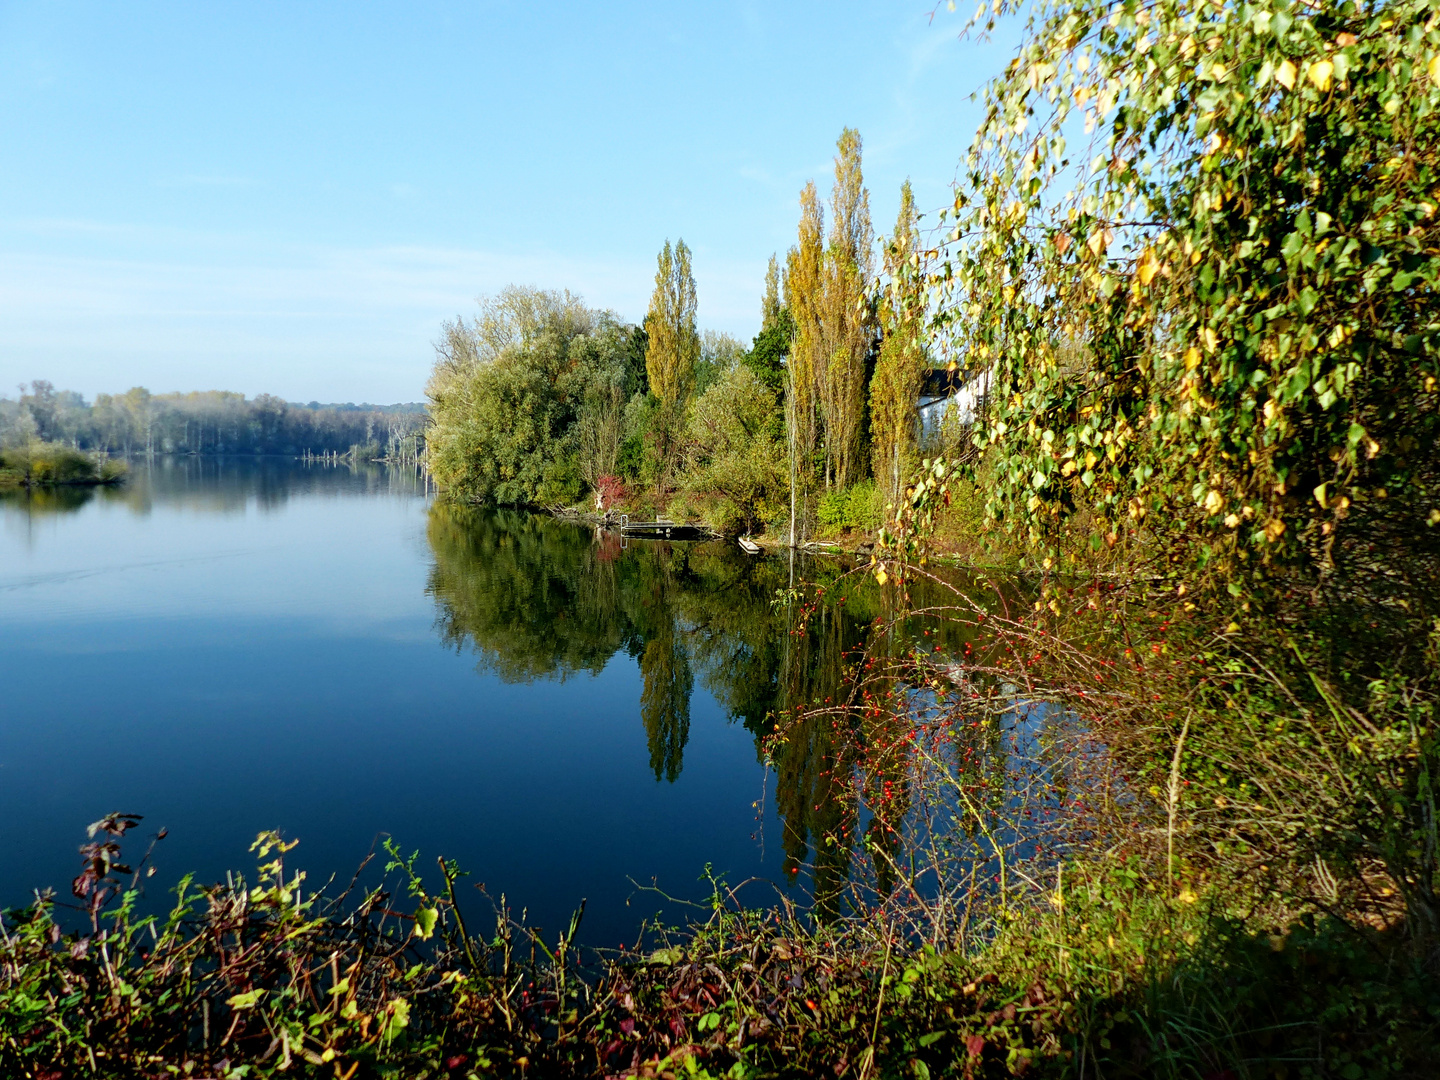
[1208, 338]
[1192, 358]
[1432, 69]
[1213, 502]
[1285, 75]
[1149, 267]
[1319, 74]
[881, 576]
[1186, 895]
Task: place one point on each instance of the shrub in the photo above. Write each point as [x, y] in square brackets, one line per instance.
[859, 506]
[609, 490]
[731, 451]
[55, 463]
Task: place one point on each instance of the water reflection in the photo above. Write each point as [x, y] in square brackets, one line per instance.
[539, 598]
[221, 485]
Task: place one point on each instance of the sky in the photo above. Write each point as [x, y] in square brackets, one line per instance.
[290, 198]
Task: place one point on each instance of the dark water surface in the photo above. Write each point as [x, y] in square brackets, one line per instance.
[227, 646]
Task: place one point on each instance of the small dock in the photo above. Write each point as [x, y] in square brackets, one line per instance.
[661, 530]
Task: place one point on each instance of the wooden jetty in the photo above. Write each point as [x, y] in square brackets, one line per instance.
[661, 530]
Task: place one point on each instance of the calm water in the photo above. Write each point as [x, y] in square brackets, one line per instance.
[231, 646]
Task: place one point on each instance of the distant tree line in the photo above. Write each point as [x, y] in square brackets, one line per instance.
[206, 422]
[541, 400]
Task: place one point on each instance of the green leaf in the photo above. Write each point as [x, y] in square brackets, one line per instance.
[425, 919]
[395, 1019]
[246, 1000]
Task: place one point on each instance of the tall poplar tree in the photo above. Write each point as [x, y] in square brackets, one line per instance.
[674, 344]
[804, 296]
[771, 307]
[769, 352]
[847, 322]
[895, 386]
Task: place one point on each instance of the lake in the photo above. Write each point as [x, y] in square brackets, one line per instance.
[227, 646]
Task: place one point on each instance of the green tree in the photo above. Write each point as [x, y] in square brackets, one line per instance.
[526, 399]
[719, 353]
[847, 324]
[732, 450]
[674, 343]
[804, 297]
[771, 347]
[671, 354]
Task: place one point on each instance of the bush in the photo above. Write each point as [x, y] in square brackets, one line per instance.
[56, 463]
[113, 469]
[860, 506]
[732, 455]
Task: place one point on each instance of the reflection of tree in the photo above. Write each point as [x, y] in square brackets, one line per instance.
[541, 598]
[814, 762]
[525, 591]
[665, 703]
[46, 500]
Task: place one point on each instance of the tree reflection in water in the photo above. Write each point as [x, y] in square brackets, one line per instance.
[536, 597]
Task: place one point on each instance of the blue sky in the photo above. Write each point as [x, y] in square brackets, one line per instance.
[290, 197]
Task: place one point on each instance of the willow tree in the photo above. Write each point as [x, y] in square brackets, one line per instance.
[895, 386]
[674, 344]
[804, 296]
[847, 323]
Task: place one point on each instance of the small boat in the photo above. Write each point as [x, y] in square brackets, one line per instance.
[748, 546]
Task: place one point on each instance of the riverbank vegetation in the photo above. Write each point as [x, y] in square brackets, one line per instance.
[209, 422]
[41, 464]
